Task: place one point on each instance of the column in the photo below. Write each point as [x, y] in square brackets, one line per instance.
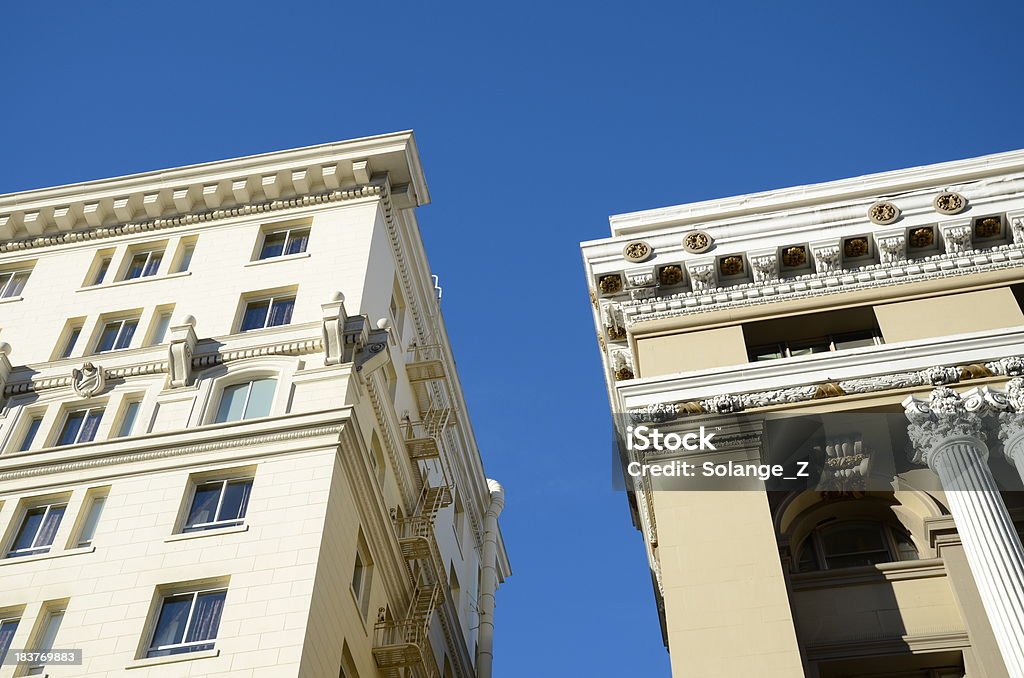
[1011, 421]
[946, 433]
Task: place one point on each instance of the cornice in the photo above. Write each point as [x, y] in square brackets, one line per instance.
[291, 347]
[255, 182]
[890, 183]
[186, 219]
[155, 453]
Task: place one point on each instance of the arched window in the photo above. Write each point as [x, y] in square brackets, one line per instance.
[246, 400]
[837, 545]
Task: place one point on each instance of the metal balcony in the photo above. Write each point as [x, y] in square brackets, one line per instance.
[425, 363]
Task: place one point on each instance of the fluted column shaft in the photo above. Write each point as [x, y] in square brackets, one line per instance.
[993, 548]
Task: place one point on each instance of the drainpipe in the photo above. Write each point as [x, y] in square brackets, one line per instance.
[489, 581]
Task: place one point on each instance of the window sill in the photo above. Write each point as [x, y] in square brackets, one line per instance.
[11, 300]
[8, 560]
[133, 281]
[231, 529]
[284, 257]
[173, 658]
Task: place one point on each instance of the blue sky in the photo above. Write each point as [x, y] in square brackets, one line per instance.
[535, 122]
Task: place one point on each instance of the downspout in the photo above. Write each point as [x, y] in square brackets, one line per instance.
[489, 581]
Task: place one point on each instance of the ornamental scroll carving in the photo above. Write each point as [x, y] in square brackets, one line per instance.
[88, 381]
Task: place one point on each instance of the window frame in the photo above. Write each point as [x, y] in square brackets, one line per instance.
[271, 299]
[133, 255]
[785, 349]
[246, 381]
[87, 409]
[185, 646]
[816, 541]
[9, 620]
[8, 284]
[137, 319]
[11, 552]
[288, 232]
[196, 483]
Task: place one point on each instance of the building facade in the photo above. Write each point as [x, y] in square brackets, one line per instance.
[232, 438]
[886, 309]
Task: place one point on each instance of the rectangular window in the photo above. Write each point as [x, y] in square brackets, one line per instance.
[72, 340]
[131, 413]
[187, 622]
[163, 323]
[362, 575]
[144, 264]
[46, 640]
[270, 312]
[186, 258]
[248, 400]
[117, 334]
[811, 333]
[80, 426]
[30, 433]
[283, 243]
[219, 503]
[12, 283]
[37, 530]
[91, 522]
[8, 627]
[101, 272]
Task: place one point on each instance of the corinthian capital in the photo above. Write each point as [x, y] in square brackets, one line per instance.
[944, 417]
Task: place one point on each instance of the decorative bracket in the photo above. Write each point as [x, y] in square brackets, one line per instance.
[764, 265]
[956, 235]
[180, 351]
[826, 256]
[334, 317]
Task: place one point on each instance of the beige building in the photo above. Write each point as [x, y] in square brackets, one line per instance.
[890, 305]
[232, 438]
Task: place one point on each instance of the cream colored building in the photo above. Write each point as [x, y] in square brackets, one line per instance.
[233, 441]
[895, 294]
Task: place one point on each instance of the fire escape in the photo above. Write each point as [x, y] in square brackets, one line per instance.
[402, 644]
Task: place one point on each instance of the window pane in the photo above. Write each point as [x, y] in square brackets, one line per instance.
[297, 241]
[49, 636]
[137, 266]
[7, 630]
[281, 312]
[109, 336]
[102, 272]
[92, 520]
[92, 423]
[48, 530]
[232, 403]
[170, 625]
[30, 434]
[131, 412]
[124, 337]
[357, 576]
[805, 348]
[261, 397]
[206, 617]
[186, 258]
[905, 546]
[853, 539]
[16, 285]
[72, 340]
[236, 499]
[204, 504]
[163, 323]
[854, 340]
[153, 264]
[72, 425]
[273, 245]
[29, 527]
[255, 315]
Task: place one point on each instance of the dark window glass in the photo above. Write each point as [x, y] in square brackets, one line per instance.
[72, 340]
[273, 244]
[187, 623]
[30, 434]
[297, 241]
[854, 339]
[101, 273]
[854, 544]
[80, 426]
[218, 504]
[8, 627]
[117, 335]
[255, 315]
[37, 530]
[143, 265]
[281, 312]
[11, 284]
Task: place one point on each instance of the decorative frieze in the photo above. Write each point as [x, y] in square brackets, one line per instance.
[957, 237]
[932, 376]
[764, 266]
[826, 257]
